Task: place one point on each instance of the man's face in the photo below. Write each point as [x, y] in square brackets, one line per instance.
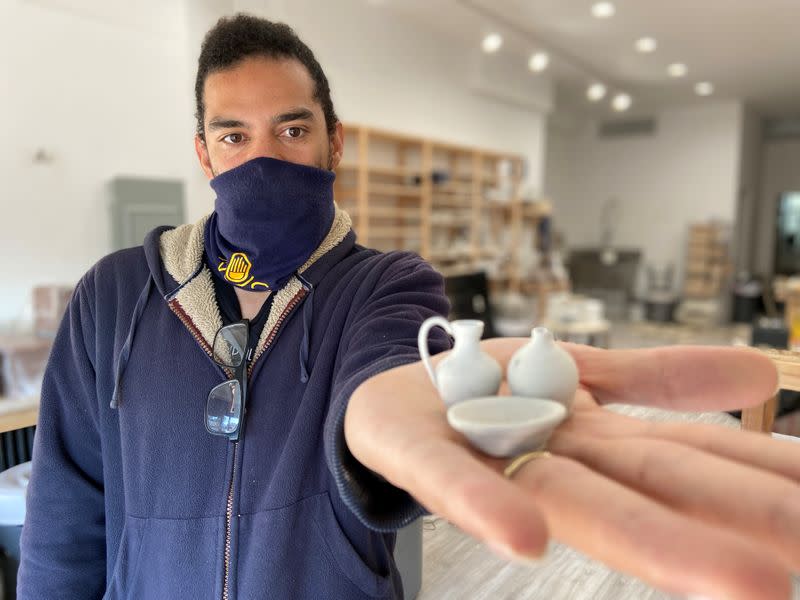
[264, 107]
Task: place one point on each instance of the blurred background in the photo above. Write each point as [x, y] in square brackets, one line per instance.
[626, 172]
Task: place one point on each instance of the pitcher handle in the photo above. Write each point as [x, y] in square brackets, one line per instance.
[422, 343]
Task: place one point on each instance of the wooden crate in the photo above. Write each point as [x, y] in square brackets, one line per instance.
[707, 261]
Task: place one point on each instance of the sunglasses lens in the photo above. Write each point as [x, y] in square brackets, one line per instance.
[230, 345]
[224, 408]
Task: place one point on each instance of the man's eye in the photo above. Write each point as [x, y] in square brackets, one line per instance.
[233, 138]
[294, 132]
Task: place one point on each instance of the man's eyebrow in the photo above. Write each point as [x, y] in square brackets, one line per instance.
[297, 114]
[219, 123]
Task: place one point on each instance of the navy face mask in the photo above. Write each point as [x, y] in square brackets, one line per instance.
[269, 217]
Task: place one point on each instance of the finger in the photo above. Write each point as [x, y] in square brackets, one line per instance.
[761, 451]
[412, 446]
[677, 377]
[702, 485]
[637, 535]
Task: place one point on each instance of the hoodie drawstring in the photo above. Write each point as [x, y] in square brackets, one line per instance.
[308, 308]
[124, 354]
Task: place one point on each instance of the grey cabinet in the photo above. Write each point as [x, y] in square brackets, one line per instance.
[138, 205]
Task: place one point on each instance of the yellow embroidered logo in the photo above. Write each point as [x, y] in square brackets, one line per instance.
[238, 269]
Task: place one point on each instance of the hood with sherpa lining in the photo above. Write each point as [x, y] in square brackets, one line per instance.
[181, 253]
[184, 280]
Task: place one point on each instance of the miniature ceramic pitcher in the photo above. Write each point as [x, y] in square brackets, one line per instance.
[468, 372]
[542, 369]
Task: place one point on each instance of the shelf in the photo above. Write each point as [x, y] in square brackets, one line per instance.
[449, 255]
[393, 232]
[451, 148]
[453, 201]
[390, 189]
[388, 212]
[463, 222]
[530, 210]
[449, 188]
[394, 136]
[537, 210]
[381, 170]
[397, 204]
[487, 253]
[453, 270]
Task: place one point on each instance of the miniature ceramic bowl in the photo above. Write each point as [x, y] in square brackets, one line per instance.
[504, 426]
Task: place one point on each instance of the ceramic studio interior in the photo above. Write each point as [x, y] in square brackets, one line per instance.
[618, 175]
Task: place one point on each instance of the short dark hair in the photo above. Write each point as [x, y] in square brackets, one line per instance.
[235, 38]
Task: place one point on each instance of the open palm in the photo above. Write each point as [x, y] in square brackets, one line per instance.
[691, 509]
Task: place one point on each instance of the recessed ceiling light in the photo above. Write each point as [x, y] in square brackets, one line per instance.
[646, 45]
[621, 102]
[538, 61]
[677, 70]
[596, 92]
[603, 10]
[492, 42]
[704, 88]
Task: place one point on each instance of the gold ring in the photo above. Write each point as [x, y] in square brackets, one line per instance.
[522, 460]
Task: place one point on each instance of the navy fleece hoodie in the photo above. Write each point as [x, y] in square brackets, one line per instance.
[130, 497]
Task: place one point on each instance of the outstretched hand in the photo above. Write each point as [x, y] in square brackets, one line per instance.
[691, 509]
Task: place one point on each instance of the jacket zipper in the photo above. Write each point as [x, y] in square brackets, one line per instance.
[228, 518]
[189, 324]
[274, 331]
[229, 504]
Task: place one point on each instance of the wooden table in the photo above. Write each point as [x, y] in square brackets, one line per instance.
[16, 413]
[456, 566]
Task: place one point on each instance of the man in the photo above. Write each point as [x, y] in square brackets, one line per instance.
[236, 409]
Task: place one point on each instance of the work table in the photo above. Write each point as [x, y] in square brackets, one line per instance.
[16, 413]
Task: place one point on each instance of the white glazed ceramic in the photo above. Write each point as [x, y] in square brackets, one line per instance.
[542, 369]
[505, 426]
[467, 372]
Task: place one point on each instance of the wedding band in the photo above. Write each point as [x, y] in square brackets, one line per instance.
[524, 459]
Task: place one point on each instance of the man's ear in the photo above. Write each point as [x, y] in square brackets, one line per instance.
[202, 155]
[336, 146]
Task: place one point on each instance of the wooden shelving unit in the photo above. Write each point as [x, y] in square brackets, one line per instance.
[708, 264]
[459, 207]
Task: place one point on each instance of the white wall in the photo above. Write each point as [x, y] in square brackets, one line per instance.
[780, 172]
[104, 96]
[106, 87]
[688, 171]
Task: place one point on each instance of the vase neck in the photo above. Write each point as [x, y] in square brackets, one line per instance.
[542, 336]
[467, 333]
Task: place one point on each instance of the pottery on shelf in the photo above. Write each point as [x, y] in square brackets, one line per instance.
[504, 426]
[542, 369]
[468, 372]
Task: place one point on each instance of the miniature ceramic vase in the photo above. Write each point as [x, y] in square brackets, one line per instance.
[467, 372]
[542, 369]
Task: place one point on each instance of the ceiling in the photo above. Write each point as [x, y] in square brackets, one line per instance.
[749, 49]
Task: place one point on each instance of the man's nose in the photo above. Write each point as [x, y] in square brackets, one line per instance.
[265, 146]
